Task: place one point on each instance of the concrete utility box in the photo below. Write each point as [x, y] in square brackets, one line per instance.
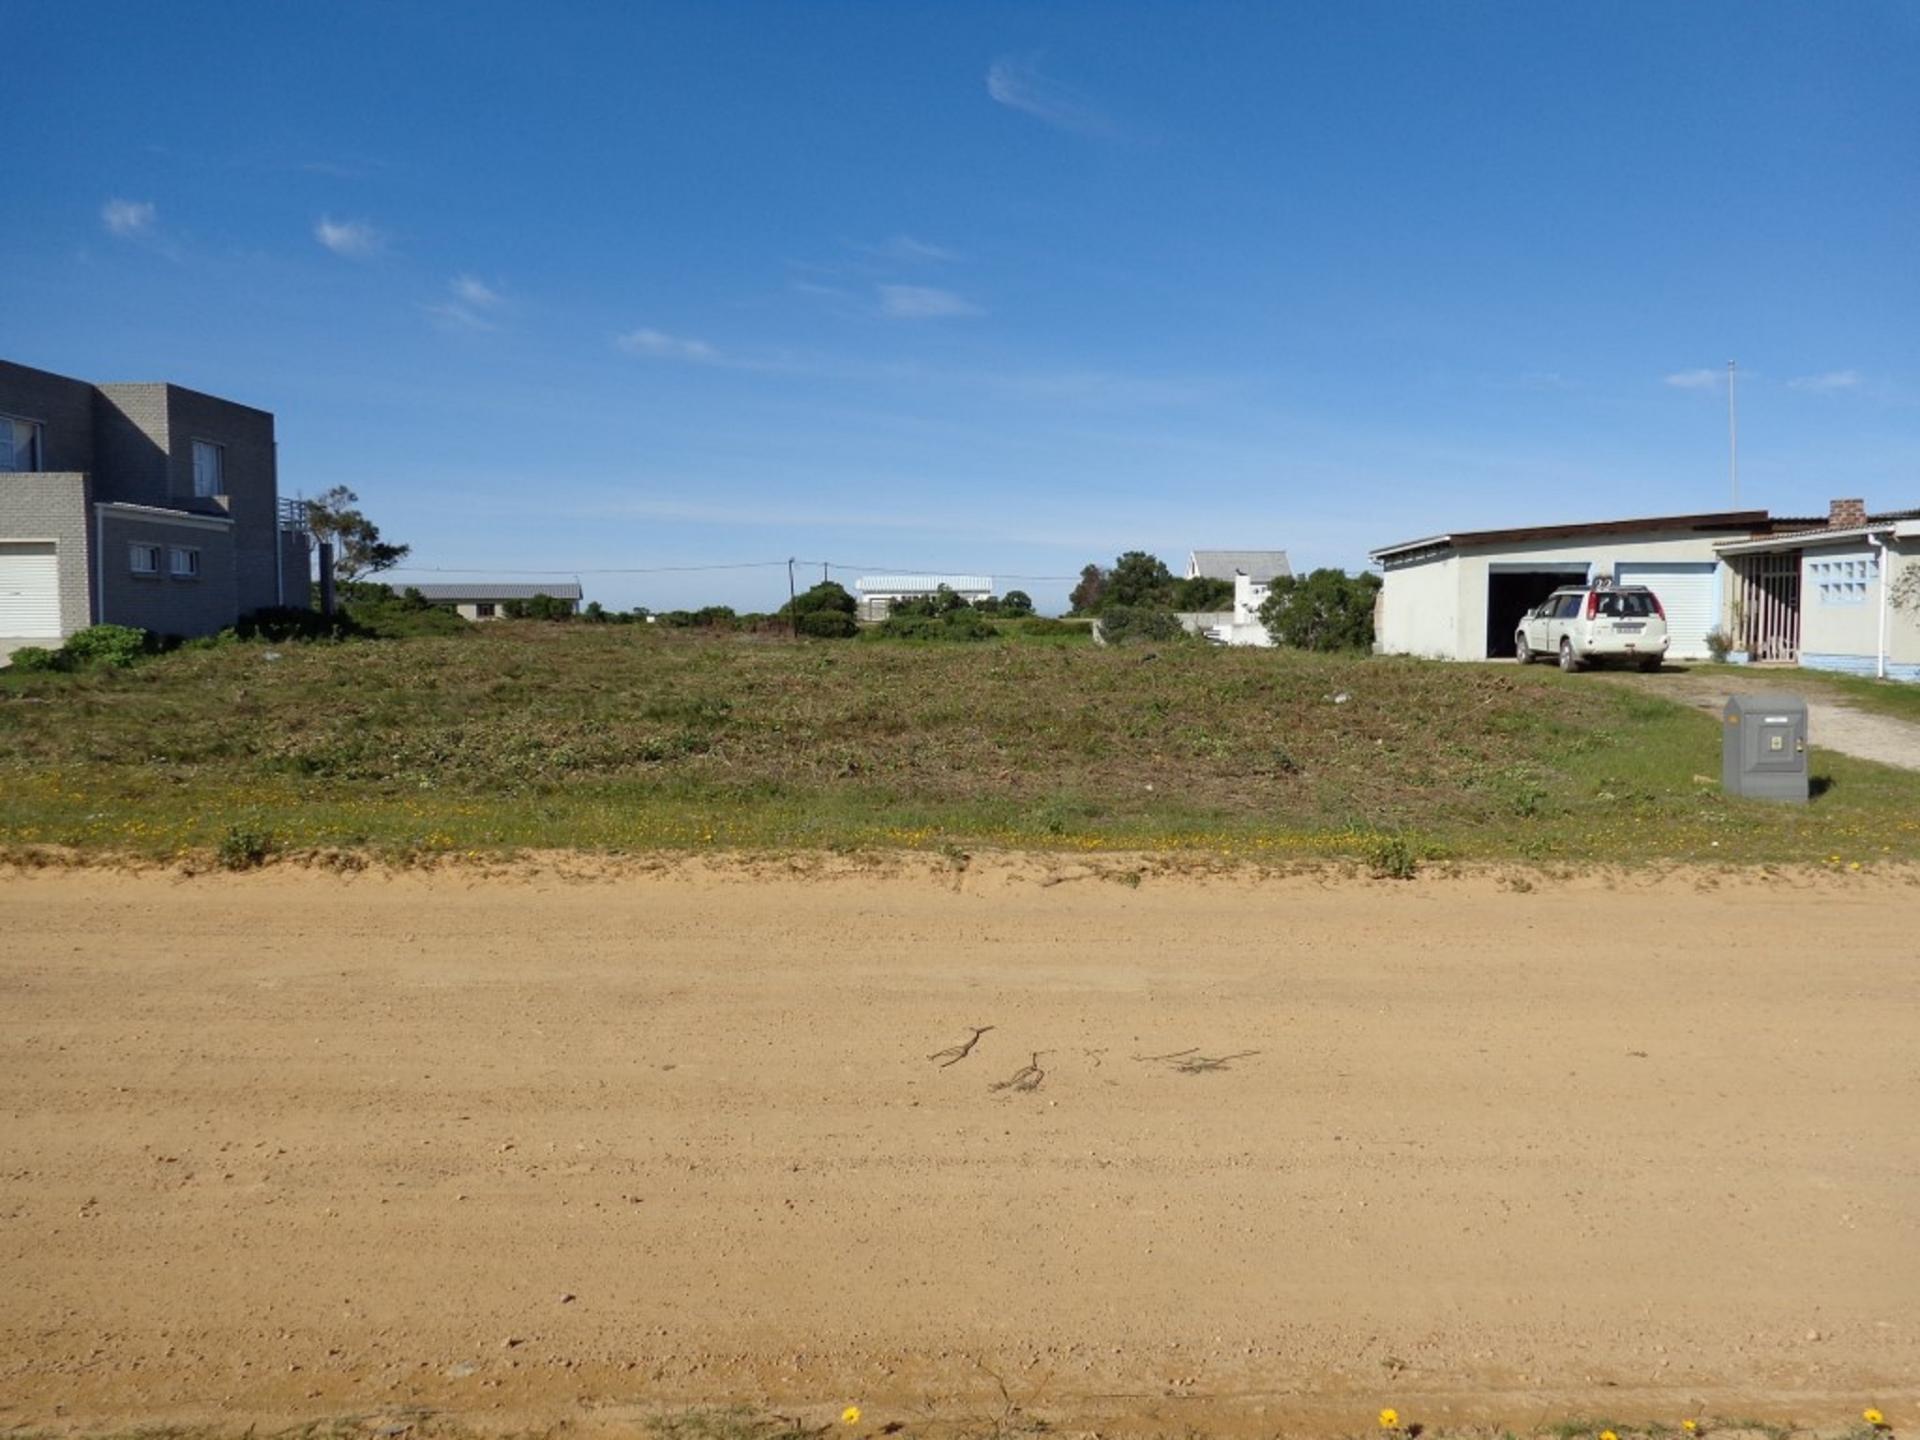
[1763, 749]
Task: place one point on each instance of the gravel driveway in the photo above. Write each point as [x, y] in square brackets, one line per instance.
[1832, 724]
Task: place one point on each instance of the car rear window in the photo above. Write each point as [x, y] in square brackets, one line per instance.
[1626, 605]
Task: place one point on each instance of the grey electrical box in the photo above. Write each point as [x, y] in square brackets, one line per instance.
[1763, 747]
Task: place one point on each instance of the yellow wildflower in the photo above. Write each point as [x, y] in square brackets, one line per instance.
[1692, 1427]
[1389, 1419]
[1874, 1418]
[1608, 1435]
[850, 1415]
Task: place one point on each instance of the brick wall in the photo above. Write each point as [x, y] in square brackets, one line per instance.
[161, 603]
[130, 444]
[63, 407]
[54, 505]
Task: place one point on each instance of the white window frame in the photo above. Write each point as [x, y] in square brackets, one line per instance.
[38, 433]
[137, 550]
[219, 453]
[183, 562]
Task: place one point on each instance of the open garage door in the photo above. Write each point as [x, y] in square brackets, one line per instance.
[1689, 592]
[29, 590]
[1512, 590]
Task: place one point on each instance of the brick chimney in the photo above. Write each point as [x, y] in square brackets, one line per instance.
[1846, 514]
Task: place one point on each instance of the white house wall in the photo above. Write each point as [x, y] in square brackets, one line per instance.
[1841, 636]
[1438, 608]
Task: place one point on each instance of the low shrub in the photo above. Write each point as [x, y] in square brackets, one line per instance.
[1390, 857]
[828, 625]
[281, 623]
[243, 848]
[1039, 627]
[117, 646]
[962, 625]
[1131, 624]
[1719, 645]
[38, 659]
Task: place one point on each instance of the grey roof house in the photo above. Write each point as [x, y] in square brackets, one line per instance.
[1262, 567]
[147, 504]
[485, 600]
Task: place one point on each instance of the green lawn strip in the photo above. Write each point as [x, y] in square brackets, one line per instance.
[622, 739]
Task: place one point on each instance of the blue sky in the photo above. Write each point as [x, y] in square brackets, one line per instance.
[984, 287]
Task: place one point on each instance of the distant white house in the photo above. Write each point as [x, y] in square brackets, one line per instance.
[1252, 573]
[878, 593]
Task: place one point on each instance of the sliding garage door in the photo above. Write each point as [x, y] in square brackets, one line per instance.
[1690, 594]
[29, 590]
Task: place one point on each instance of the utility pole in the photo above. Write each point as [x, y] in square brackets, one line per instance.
[1733, 437]
[793, 601]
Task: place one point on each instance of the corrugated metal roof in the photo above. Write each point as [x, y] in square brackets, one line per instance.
[485, 590]
[1259, 566]
[920, 584]
[1748, 520]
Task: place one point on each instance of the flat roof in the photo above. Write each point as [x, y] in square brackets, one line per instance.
[486, 590]
[1747, 520]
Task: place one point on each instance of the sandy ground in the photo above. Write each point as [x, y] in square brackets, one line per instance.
[292, 1144]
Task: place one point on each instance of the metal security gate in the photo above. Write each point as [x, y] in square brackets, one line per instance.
[1766, 604]
[29, 590]
[1689, 592]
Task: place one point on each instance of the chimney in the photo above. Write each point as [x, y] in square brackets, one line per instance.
[1846, 514]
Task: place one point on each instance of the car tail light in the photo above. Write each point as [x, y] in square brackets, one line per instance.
[1658, 608]
[1593, 603]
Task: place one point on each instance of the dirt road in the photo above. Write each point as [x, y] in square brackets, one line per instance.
[1237, 1154]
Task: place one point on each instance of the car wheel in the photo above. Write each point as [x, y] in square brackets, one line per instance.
[1650, 664]
[1569, 662]
[1521, 651]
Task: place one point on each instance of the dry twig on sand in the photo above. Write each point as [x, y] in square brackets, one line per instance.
[954, 1054]
[1027, 1077]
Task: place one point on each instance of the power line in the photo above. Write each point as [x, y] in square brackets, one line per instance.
[688, 569]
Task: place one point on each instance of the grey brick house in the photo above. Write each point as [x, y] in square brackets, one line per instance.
[149, 505]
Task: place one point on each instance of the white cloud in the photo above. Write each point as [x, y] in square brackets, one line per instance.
[350, 239]
[907, 250]
[127, 218]
[1694, 380]
[1827, 383]
[470, 291]
[473, 303]
[923, 302]
[1018, 84]
[658, 345]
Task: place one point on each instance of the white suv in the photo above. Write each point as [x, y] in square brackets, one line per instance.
[1586, 623]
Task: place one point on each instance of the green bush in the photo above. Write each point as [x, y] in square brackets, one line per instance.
[828, 625]
[1328, 610]
[1390, 857]
[828, 597]
[965, 624]
[1719, 645]
[1133, 624]
[37, 659]
[1039, 627]
[1016, 604]
[116, 646]
[243, 848]
[281, 623]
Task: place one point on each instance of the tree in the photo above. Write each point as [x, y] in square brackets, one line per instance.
[358, 550]
[1086, 596]
[828, 595]
[1139, 579]
[1326, 610]
[1202, 594]
[1016, 604]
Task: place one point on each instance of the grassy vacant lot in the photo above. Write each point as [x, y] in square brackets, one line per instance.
[624, 738]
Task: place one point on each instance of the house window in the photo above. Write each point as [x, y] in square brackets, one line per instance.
[143, 559]
[209, 468]
[183, 562]
[19, 444]
[483, 610]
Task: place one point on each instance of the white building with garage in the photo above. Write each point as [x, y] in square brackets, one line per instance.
[879, 593]
[1460, 596]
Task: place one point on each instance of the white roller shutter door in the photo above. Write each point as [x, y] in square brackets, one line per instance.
[1689, 592]
[29, 590]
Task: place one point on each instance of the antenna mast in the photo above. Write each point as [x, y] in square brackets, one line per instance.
[1733, 438]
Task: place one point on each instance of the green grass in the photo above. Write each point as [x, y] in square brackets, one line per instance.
[621, 738]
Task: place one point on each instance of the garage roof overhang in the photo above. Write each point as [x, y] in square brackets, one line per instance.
[1824, 535]
[1432, 546]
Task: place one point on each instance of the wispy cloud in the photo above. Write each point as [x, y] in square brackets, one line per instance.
[906, 250]
[128, 218]
[1694, 379]
[1827, 383]
[658, 345]
[923, 302]
[350, 239]
[1017, 83]
[472, 307]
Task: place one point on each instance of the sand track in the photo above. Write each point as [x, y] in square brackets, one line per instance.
[291, 1144]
